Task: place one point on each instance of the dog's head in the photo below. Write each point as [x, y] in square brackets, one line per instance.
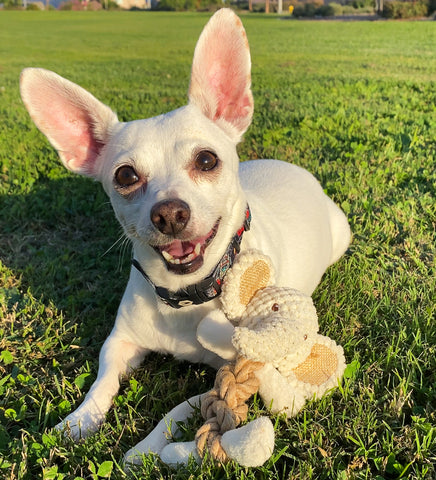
[172, 179]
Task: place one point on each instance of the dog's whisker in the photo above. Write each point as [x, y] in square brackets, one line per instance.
[124, 246]
[117, 242]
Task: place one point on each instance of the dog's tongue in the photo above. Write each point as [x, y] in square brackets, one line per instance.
[180, 252]
[179, 249]
[186, 256]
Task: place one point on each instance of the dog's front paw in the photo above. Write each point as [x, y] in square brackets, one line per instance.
[155, 442]
[81, 423]
[179, 453]
[133, 457]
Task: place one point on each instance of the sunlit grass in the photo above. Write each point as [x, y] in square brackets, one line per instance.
[352, 102]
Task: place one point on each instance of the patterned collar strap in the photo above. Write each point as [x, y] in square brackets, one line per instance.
[210, 287]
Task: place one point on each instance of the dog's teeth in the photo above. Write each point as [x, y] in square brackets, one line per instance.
[177, 261]
[168, 257]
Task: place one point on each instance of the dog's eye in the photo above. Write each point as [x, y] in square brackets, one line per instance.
[275, 307]
[126, 176]
[206, 160]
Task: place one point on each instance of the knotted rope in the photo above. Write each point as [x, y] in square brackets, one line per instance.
[224, 407]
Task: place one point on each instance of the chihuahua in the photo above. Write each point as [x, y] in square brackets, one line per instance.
[187, 204]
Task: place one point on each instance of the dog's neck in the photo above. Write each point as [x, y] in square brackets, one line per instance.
[208, 288]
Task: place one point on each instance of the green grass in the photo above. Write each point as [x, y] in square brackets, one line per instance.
[352, 102]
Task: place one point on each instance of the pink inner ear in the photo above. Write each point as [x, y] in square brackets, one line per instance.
[231, 95]
[70, 127]
[220, 83]
[225, 67]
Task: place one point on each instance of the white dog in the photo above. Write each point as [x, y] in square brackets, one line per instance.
[185, 201]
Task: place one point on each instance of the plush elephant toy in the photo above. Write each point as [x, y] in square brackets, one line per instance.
[276, 328]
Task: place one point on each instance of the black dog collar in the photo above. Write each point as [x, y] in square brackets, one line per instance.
[210, 287]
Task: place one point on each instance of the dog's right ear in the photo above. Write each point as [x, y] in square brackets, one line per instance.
[76, 123]
[221, 79]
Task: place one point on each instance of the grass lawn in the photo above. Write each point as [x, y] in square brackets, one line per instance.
[352, 102]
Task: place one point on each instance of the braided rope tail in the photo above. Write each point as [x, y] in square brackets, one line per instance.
[224, 407]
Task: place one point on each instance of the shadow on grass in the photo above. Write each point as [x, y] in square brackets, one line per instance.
[58, 240]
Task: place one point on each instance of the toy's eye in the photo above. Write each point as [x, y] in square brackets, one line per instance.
[305, 337]
[205, 160]
[126, 176]
[275, 307]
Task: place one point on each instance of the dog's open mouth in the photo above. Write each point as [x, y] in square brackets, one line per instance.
[184, 257]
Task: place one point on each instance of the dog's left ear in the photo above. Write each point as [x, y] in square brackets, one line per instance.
[74, 121]
[221, 79]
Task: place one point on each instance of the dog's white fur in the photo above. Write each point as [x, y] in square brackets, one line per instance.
[293, 221]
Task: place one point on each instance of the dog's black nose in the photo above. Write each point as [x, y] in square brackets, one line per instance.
[170, 216]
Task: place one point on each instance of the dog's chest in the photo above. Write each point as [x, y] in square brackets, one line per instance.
[165, 330]
[178, 329]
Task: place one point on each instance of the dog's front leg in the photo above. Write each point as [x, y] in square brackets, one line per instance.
[117, 357]
[214, 332]
[162, 435]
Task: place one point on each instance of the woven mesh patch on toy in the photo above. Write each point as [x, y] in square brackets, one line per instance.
[319, 366]
[254, 278]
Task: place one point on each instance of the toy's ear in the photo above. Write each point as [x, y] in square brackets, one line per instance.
[251, 272]
[323, 367]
